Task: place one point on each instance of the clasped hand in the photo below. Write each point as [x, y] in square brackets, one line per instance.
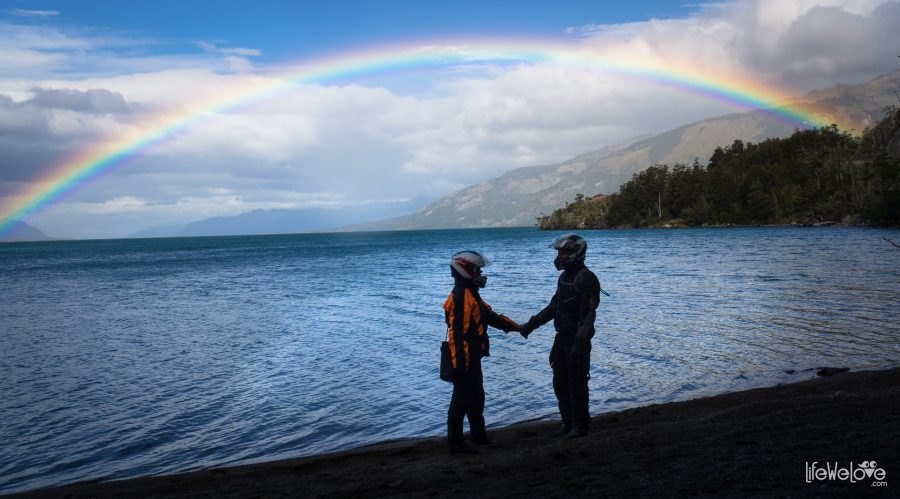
[525, 329]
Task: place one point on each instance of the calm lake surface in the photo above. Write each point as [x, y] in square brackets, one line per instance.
[123, 358]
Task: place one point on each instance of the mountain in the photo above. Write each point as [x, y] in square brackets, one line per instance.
[521, 195]
[861, 104]
[21, 231]
[287, 221]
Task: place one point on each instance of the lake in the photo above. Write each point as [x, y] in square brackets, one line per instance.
[123, 358]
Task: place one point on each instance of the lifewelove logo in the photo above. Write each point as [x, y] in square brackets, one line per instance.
[864, 472]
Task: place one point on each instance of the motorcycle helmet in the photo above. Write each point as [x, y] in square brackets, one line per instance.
[468, 265]
[575, 248]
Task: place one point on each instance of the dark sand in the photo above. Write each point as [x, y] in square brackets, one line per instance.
[755, 443]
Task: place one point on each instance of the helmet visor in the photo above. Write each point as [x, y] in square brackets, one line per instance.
[563, 242]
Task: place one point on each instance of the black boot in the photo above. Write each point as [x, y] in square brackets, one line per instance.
[562, 431]
[480, 437]
[576, 433]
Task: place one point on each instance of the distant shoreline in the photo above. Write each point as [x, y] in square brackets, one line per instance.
[812, 225]
[751, 443]
[821, 225]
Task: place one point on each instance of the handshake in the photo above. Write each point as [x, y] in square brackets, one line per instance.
[525, 329]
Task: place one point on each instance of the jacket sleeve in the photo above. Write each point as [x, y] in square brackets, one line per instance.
[589, 290]
[499, 321]
[545, 315]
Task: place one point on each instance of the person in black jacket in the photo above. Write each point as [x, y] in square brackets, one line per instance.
[467, 317]
[573, 310]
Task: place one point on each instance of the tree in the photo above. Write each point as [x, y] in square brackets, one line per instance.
[812, 176]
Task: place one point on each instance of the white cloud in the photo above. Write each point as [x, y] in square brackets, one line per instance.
[215, 47]
[236, 59]
[337, 143]
[34, 13]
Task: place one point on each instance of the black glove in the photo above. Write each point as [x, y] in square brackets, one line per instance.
[528, 327]
[517, 328]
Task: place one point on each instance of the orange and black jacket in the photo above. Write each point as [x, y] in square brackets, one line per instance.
[468, 317]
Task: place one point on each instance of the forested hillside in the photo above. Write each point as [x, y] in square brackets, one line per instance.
[814, 176]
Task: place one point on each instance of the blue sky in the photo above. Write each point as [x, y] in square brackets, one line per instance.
[81, 74]
[292, 29]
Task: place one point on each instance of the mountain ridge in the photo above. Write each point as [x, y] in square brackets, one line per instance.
[20, 231]
[520, 196]
[285, 221]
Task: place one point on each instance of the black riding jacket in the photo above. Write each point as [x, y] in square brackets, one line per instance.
[573, 307]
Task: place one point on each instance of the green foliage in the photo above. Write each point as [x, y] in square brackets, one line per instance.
[814, 176]
[584, 213]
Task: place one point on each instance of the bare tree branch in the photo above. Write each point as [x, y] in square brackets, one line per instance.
[892, 242]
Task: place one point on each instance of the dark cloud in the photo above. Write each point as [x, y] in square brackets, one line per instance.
[26, 145]
[31, 140]
[95, 101]
[827, 44]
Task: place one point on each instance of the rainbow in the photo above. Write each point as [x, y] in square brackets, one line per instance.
[113, 152]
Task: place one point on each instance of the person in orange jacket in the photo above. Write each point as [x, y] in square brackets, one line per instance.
[468, 317]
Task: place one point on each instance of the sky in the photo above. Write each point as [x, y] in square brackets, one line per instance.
[178, 111]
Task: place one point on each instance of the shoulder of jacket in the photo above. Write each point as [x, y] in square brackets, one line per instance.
[465, 294]
[458, 293]
[588, 273]
[586, 277]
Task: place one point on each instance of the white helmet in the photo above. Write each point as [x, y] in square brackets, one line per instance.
[468, 265]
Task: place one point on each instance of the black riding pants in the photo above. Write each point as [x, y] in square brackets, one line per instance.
[467, 401]
[570, 382]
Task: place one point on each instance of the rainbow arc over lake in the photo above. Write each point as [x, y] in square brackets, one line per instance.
[96, 159]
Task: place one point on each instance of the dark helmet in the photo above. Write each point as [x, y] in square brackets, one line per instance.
[574, 245]
[468, 265]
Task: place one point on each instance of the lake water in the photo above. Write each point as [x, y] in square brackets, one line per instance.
[141, 357]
